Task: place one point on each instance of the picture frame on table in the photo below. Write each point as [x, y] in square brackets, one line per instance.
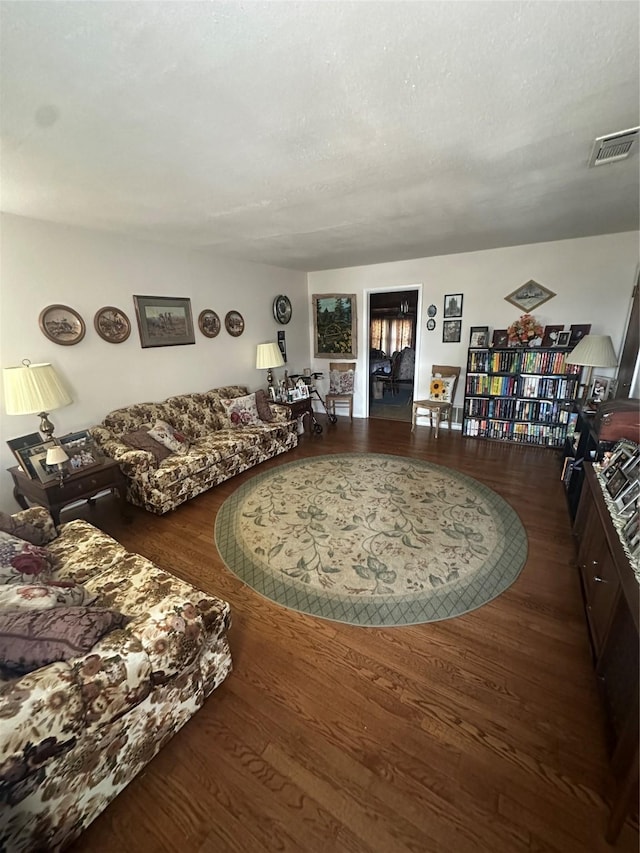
[563, 339]
[164, 321]
[627, 495]
[599, 391]
[451, 331]
[45, 473]
[631, 530]
[616, 484]
[632, 466]
[453, 305]
[21, 443]
[622, 453]
[82, 450]
[479, 336]
[29, 458]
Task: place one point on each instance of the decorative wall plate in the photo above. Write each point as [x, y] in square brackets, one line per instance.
[209, 323]
[112, 324]
[431, 324]
[234, 323]
[432, 311]
[62, 325]
[282, 309]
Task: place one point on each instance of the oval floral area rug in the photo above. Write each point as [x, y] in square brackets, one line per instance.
[371, 539]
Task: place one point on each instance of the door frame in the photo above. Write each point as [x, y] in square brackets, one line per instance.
[365, 333]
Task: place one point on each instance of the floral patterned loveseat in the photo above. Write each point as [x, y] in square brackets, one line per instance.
[216, 447]
[74, 732]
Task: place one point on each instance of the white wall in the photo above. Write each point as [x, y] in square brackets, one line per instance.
[43, 264]
[592, 278]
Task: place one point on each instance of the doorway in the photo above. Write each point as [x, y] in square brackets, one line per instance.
[393, 333]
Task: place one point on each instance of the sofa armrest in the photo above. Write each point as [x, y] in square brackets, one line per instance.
[131, 461]
[281, 415]
[41, 716]
[34, 525]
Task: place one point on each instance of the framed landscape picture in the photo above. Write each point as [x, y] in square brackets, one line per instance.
[530, 295]
[164, 321]
[334, 325]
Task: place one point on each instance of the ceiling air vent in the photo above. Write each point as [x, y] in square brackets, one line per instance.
[614, 146]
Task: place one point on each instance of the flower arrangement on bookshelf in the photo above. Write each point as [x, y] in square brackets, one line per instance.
[524, 331]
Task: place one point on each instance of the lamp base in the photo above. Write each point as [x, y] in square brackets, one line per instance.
[46, 427]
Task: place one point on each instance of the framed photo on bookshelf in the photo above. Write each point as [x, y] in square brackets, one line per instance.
[563, 339]
[500, 338]
[550, 337]
[479, 336]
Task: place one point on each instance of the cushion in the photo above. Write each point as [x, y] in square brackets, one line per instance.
[441, 388]
[34, 527]
[30, 639]
[341, 381]
[44, 596]
[241, 411]
[168, 436]
[262, 405]
[21, 562]
[140, 439]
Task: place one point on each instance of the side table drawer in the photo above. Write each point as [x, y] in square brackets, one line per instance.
[88, 482]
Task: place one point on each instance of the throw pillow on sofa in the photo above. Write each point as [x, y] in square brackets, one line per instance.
[30, 639]
[265, 412]
[21, 562]
[44, 595]
[175, 441]
[140, 439]
[241, 411]
[38, 530]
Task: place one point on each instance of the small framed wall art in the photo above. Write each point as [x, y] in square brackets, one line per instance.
[451, 331]
[164, 321]
[209, 323]
[453, 305]
[112, 325]
[62, 325]
[530, 295]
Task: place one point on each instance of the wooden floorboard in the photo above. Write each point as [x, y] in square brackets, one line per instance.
[481, 733]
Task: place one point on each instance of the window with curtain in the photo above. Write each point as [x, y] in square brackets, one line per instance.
[391, 335]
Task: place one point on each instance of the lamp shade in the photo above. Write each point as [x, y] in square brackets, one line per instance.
[268, 355]
[32, 389]
[593, 351]
[56, 455]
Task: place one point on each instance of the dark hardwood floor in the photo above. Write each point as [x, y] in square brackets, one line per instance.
[481, 733]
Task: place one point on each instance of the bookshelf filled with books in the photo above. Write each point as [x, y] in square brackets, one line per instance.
[519, 394]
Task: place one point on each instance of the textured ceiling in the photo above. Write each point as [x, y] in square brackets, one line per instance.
[318, 134]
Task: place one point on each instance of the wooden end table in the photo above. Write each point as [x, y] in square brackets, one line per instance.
[81, 485]
[302, 408]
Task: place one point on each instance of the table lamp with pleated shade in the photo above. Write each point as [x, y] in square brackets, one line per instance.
[593, 351]
[34, 389]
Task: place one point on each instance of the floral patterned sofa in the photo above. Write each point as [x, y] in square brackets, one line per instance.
[74, 732]
[219, 443]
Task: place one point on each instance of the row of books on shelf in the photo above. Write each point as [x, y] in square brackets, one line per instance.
[518, 361]
[548, 387]
[523, 433]
[545, 411]
[529, 387]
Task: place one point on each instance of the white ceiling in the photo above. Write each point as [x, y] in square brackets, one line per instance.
[318, 134]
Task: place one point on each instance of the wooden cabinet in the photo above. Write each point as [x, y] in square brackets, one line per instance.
[519, 394]
[612, 601]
